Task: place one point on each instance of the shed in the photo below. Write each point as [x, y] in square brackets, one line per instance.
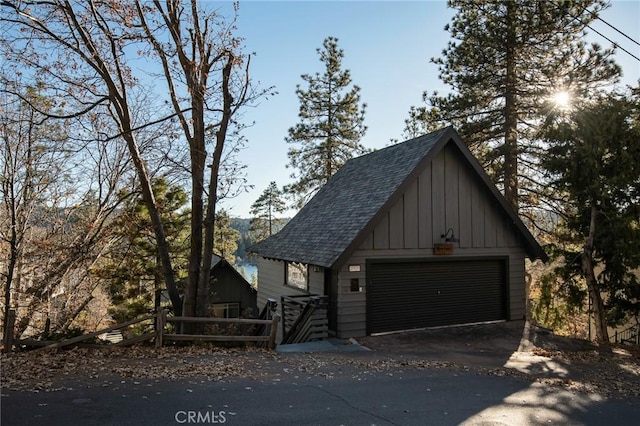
[231, 294]
[410, 236]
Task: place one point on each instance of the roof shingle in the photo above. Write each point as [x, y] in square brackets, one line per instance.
[339, 212]
[333, 218]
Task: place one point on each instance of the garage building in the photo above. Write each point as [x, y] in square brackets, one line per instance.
[410, 236]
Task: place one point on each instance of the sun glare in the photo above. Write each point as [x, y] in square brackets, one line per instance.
[562, 100]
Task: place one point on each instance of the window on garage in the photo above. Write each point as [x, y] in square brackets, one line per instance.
[297, 275]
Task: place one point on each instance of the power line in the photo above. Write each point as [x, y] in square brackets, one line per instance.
[600, 19]
[602, 35]
[608, 39]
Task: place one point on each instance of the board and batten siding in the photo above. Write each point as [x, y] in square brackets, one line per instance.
[271, 281]
[446, 194]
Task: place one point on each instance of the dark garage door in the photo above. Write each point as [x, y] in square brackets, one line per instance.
[406, 295]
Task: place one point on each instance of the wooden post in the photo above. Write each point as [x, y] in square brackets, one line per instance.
[273, 331]
[156, 303]
[8, 336]
[161, 320]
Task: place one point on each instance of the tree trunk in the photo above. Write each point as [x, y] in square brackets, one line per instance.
[602, 335]
[198, 160]
[154, 214]
[209, 220]
[510, 167]
[13, 260]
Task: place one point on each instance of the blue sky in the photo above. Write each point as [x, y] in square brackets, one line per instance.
[387, 48]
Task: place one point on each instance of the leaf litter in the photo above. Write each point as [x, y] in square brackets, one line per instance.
[610, 374]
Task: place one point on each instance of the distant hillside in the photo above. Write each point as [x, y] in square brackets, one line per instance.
[242, 225]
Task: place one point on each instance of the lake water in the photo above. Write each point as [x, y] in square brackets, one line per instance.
[249, 270]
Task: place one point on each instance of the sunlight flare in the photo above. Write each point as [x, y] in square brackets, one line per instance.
[561, 99]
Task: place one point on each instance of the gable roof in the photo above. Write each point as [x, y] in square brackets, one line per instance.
[220, 263]
[333, 222]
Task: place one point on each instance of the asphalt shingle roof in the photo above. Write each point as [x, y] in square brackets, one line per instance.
[330, 222]
[333, 218]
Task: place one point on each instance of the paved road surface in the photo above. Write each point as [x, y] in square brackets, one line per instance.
[410, 397]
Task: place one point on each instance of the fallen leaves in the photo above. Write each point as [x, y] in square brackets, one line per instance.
[40, 370]
[617, 373]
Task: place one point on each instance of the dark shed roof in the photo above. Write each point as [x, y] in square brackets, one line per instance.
[220, 263]
[343, 210]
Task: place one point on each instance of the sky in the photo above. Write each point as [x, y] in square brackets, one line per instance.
[387, 48]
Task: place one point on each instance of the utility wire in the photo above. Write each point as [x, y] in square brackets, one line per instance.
[600, 19]
[595, 15]
[602, 35]
[610, 41]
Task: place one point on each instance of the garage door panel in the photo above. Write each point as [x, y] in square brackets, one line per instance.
[407, 295]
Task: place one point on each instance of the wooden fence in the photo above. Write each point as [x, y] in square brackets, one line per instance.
[304, 318]
[162, 319]
[161, 335]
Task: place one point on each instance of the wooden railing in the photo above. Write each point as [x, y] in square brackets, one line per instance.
[267, 313]
[630, 336]
[131, 341]
[267, 336]
[304, 318]
[162, 320]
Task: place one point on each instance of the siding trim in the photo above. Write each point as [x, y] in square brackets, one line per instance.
[532, 248]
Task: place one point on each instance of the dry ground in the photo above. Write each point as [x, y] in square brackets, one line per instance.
[503, 349]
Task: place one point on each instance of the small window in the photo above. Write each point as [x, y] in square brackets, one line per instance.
[226, 310]
[355, 284]
[297, 275]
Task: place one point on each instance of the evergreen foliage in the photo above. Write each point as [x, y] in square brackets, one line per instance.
[134, 270]
[264, 211]
[225, 237]
[330, 128]
[593, 163]
[506, 60]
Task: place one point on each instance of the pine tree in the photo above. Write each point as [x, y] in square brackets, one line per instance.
[506, 60]
[225, 237]
[134, 271]
[593, 162]
[330, 127]
[264, 211]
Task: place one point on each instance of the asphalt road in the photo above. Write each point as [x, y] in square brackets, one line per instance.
[411, 397]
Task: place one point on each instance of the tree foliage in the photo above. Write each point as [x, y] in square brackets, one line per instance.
[59, 198]
[264, 213]
[81, 53]
[133, 270]
[506, 60]
[330, 128]
[226, 237]
[593, 164]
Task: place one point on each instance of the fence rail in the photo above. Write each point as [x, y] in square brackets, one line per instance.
[267, 335]
[304, 318]
[629, 336]
[88, 336]
[162, 319]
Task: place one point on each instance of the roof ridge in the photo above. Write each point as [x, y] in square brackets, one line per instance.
[336, 214]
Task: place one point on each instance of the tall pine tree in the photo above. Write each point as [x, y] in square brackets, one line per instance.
[264, 211]
[330, 127]
[225, 242]
[593, 164]
[506, 60]
[133, 270]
